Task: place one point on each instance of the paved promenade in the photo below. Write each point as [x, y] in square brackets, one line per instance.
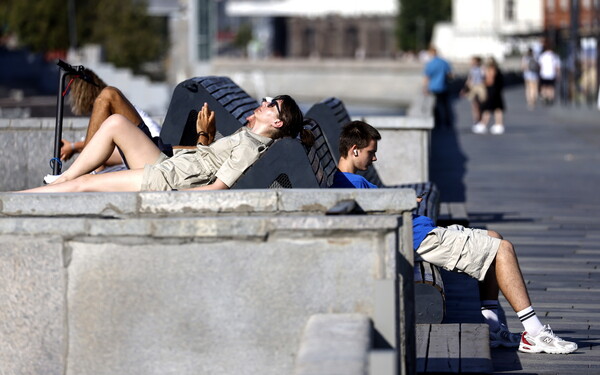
[538, 185]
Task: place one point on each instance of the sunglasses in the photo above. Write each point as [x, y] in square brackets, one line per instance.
[272, 103]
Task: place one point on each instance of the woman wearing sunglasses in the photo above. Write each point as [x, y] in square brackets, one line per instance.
[203, 167]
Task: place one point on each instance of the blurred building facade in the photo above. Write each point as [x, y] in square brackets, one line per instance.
[495, 28]
[320, 29]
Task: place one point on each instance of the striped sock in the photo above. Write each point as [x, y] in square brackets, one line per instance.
[489, 310]
[530, 321]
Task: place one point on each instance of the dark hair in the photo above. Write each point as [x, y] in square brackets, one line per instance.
[357, 133]
[293, 121]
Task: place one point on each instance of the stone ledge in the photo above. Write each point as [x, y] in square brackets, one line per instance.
[46, 123]
[399, 122]
[230, 202]
[198, 227]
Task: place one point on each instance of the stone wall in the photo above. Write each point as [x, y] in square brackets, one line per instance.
[196, 282]
[26, 147]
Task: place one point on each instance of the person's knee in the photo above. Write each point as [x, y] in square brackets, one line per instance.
[108, 97]
[506, 248]
[115, 122]
[493, 233]
[109, 93]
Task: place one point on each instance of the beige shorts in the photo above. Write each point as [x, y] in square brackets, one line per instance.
[461, 249]
[478, 92]
[154, 181]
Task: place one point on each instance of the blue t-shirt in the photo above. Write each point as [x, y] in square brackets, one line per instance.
[437, 70]
[351, 181]
[422, 225]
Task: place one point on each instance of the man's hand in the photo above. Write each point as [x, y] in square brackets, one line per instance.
[205, 125]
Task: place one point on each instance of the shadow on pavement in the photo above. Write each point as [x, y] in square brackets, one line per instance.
[447, 165]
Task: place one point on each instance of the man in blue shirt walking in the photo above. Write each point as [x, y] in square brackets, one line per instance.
[437, 74]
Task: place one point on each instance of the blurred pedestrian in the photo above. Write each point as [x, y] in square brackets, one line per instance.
[438, 73]
[474, 88]
[549, 72]
[531, 76]
[494, 83]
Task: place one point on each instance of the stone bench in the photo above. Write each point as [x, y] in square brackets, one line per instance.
[198, 282]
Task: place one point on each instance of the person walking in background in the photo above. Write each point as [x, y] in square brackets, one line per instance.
[494, 83]
[474, 88]
[549, 72]
[437, 74]
[531, 71]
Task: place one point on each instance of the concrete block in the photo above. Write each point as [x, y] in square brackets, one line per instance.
[221, 307]
[27, 123]
[69, 204]
[335, 344]
[13, 168]
[409, 149]
[27, 152]
[50, 123]
[232, 201]
[213, 228]
[372, 201]
[44, 226]
[33, 311]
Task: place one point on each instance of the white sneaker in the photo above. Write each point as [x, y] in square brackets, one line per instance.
[497, 129]
[479, 128]
[50, 178]
[503, 337]
[545, 342]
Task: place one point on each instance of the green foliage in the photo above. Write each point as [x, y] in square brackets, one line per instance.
[123, 28]
[243, 36]
[40, 25]
[416, 21]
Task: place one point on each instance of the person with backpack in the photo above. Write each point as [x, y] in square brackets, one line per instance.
[531, 75]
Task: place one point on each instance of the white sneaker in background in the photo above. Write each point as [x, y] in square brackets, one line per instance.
[479, 128]
[497, 129]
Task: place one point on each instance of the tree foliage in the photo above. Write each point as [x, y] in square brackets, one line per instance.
[417, 19]
[128, 35]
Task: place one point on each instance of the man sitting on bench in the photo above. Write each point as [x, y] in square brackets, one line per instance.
[482, 254]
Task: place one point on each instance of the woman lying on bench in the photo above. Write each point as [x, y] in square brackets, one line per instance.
[213, 167]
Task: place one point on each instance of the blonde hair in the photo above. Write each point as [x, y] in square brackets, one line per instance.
[83, 93]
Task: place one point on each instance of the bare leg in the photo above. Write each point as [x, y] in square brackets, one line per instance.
[475, 112]
[485, 117]
[110, 101]
[116, 130]
[498, 117]
[129, 180]
[505, 275]
[488, 288]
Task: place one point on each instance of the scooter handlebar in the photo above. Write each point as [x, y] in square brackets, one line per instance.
[78, 70]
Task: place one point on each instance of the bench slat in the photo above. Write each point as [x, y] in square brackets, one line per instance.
[444, 348]
[422, 338]
[475, 348]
